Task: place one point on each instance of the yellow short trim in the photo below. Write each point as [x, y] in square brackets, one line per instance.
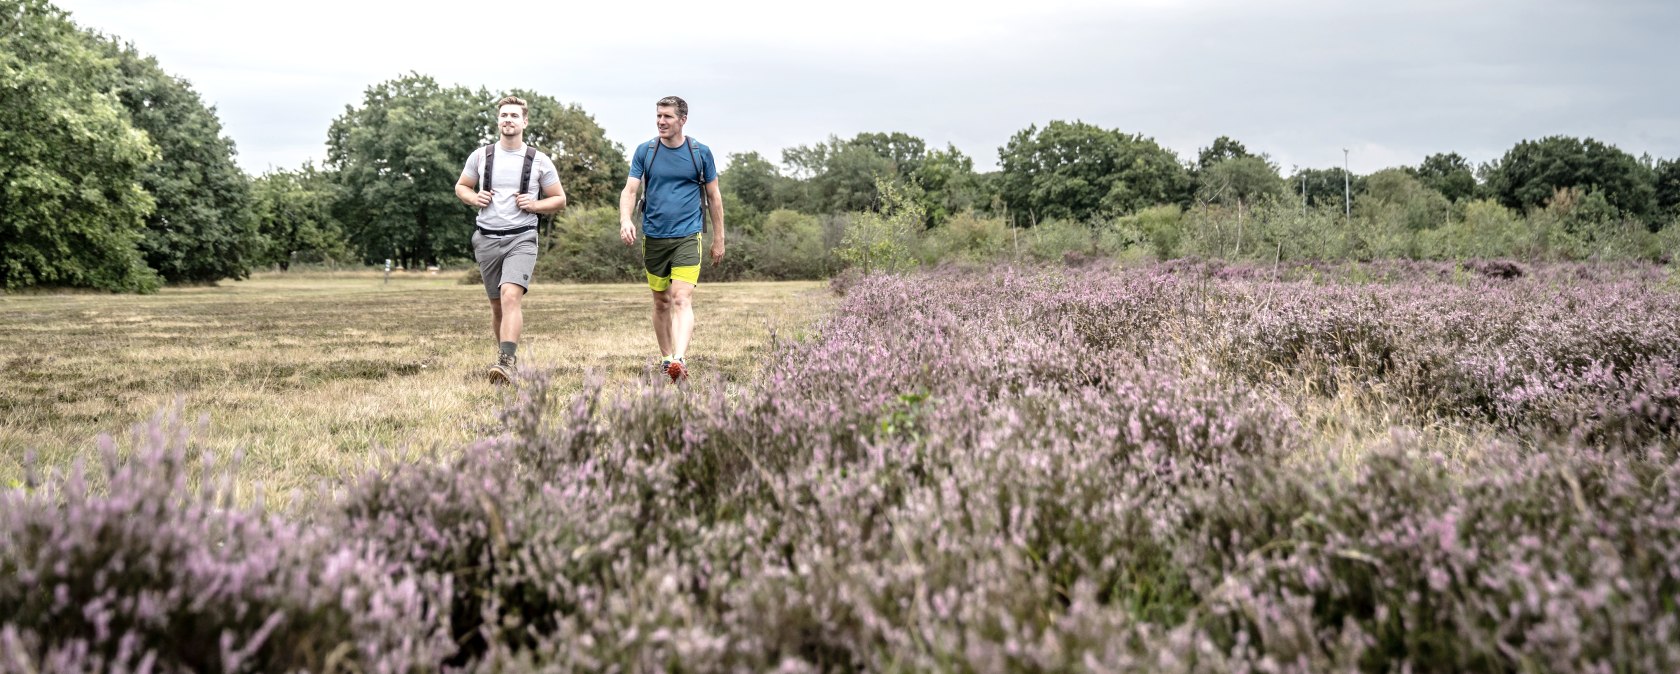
[687, 274]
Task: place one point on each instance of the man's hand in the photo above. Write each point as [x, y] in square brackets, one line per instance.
[524, 201]
[484, 198]
[717, 249]
[627, 233]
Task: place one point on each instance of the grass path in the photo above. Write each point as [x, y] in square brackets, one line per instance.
[309, 375]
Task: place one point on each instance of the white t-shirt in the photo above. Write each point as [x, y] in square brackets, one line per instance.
[503, 211]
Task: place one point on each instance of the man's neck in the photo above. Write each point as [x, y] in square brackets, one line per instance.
[511, 143]
[676, 142]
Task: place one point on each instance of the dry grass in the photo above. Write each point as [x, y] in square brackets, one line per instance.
[310, 375]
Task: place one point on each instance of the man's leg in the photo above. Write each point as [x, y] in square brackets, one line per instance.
[662, 320]
[496, 320]
[510, 315]
[681, 325]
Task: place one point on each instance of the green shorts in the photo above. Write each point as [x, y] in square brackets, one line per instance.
[675, 258]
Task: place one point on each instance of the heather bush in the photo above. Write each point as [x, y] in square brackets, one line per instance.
[161, 571]
[1059, 470]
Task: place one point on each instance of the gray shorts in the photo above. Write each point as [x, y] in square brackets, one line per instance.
[505, 259]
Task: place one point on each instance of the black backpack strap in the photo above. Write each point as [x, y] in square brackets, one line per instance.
[647, 171]
[699, 176]
[489, 168]
[525, 173]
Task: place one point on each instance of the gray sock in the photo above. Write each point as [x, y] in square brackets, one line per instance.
[509, 349]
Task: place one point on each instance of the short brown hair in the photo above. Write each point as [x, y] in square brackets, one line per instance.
[514, 100]
[673, 102]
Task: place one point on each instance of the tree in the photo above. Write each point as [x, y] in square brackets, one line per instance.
[883, 241]
[1395, 194]
[592, 168]
[202, 229]
[1532, 172]
[1239, 180]
[1223, 148]
[841, 175]
[1326, 187]
[947, 184]
[753, 182]
[1668, 188]
[71, 204]
[398, 157]
[1449, 173]
[293, 210]
[1080, 171]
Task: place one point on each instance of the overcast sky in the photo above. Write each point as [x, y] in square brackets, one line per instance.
[1297, 79]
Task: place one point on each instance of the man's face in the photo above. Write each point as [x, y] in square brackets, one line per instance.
[511, 120]
[670, 125]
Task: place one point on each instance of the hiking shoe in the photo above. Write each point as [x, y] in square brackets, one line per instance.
[677, 370]
[502, 372]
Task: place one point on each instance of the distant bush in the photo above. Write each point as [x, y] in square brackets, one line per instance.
[966, 237]
[1055, 240]
[787, 245]
[883, 241]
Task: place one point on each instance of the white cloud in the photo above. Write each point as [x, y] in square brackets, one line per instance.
[1299, 79]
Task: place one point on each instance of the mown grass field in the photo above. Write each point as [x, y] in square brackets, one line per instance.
[311, 375]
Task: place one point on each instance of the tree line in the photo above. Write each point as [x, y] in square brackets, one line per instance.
[117, 176]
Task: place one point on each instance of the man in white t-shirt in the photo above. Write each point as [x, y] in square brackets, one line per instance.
[510, 184]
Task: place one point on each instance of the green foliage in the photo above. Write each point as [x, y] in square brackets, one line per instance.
[399, 155]
[1160, 228]
[881, 241]
[1057, 240]
[1393, 194]
[1325, 187]
[1667, 190]
[1080, 171]
[592, 168]
[72, 207]
[1224, 148]
[841, 175]
[1239, 180]
[947, 184]
[294, 215]
[968, 237]
[1487, 229]
[1449, 173]
[753, 183]
[585, 248]
[788, 245]
[202, 229]
[1533, 171]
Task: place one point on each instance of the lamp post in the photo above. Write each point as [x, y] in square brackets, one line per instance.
[1347, 188]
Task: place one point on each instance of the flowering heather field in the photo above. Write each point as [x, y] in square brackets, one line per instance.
[1028, 470]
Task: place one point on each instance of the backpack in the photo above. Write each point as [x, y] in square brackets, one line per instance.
[488, 175]
[699, 177]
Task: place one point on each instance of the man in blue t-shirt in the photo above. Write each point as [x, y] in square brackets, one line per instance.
[682, 187]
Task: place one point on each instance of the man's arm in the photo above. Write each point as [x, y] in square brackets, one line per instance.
[627, 202]
[714, 197]
[466, 189]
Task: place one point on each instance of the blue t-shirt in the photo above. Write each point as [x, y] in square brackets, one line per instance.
[673, 194]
